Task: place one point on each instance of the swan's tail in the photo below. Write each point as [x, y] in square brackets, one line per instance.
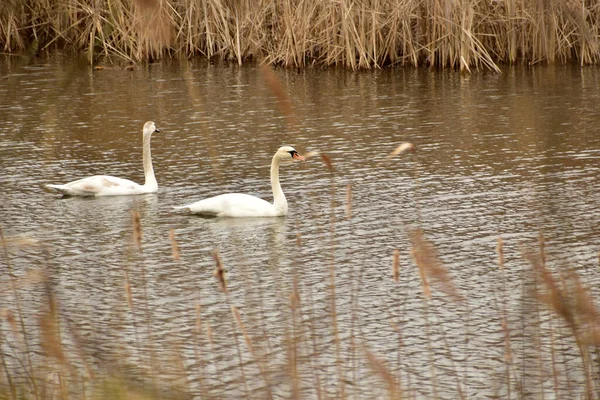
[182, 208]
[59, 188]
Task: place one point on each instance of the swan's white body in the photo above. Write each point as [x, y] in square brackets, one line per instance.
[244, 205]
[105, 185]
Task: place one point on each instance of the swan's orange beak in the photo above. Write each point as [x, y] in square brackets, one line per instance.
[297, 156]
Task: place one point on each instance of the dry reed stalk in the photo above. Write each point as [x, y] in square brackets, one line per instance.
[508, 354]
[137, 237]
[554, 297]
[257, 358]
[398, 326]
[396, 266]
[278, 90]
[153, 28]
[197, 353]
[380, 368]
[587, 314]
[198, 319]
[314, 364]
[50, 330]
[137, 229]
[27, 280]
[454, 369]
[239, 353]
[500, 251]
[130, 304]
[327, 162]
[432, 369]
[424, 281]
[542, 256]
[426, 258]
[355, 285]
[588, 323]
[13, 279]
[349, 201]
[79, 344]
[128, 291]
[219, 271]
[553, 360]
[570, 301]
[336, 335]
[294, 344]
[6, 314]
[402, 148]
[174, 245]
[332, 286]
[211, 342]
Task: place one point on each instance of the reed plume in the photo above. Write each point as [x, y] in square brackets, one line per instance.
[174, 245]
[137, 228]
[426, 258]
[402, 148]
[569, 299]
[396, 266]
[219, 271]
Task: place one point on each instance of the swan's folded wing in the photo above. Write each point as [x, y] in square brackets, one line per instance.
[98, 185]
[232, 205]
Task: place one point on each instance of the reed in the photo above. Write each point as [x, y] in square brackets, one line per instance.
[62, 352]
[357, 34]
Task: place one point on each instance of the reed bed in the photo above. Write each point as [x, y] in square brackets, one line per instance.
[356, 34]
[44, 355]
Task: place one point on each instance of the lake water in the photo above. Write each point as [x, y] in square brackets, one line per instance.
[498, 155]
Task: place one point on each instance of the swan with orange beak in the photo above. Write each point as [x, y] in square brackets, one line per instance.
[244, 205]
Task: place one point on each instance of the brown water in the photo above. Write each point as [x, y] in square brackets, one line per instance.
[506, 155]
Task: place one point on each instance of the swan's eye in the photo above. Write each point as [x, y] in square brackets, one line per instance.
[293, 153]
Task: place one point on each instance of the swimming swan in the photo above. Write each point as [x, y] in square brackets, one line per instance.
[243, 205]
[104, 185]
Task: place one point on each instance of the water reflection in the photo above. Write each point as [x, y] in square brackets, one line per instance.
[498, 155]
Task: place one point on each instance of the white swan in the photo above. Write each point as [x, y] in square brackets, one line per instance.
[104, 185]
[243, 205]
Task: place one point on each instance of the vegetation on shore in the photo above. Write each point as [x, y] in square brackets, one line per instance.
[459, 34]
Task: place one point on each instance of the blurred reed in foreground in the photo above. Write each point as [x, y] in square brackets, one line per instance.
[43, 354]
[355, 34]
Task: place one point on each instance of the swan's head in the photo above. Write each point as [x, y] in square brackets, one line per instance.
[288, 153]
[150, 128]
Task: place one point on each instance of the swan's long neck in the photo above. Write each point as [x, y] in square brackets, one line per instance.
[279, 200]
[148, 170]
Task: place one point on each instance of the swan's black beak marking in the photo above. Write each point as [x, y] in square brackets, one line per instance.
[295, 155]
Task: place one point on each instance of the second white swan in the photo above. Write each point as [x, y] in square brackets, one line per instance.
[244, 205]
[105, 185]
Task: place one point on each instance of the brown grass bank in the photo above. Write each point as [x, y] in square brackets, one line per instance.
[460, 34]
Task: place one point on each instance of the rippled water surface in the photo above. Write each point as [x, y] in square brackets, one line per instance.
[498, 155]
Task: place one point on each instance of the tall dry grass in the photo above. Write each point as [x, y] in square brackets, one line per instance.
[459, 34]
[53, 360]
